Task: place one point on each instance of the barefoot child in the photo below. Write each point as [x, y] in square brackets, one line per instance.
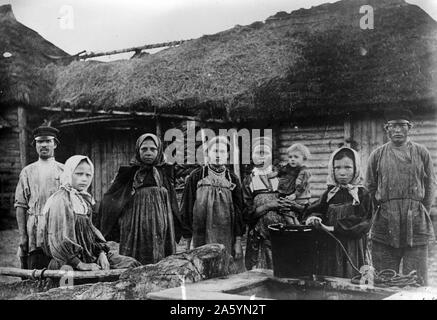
[345, 210]
[70, 238]
[294, 180]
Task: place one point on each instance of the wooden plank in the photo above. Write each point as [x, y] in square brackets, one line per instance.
[315, 128]
[311, 136]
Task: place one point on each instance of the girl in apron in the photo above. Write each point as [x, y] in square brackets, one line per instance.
[345, 210]
[212, 204]
[260, 192]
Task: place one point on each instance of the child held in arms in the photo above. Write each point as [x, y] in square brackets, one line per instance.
[294, 182]
[345, 210]
[70, 238]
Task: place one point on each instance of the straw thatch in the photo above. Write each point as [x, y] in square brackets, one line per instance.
[23, 54]
[311, 61]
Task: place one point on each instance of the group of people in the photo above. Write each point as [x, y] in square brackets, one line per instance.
[390, 207]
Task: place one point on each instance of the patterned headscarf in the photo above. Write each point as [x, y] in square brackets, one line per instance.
[352, 186]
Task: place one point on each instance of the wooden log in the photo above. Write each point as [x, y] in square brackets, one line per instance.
[99, 274]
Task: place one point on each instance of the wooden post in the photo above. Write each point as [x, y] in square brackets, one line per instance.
[158, 128]
[348, 131]
[236, 159]
[98, 274]
[22, 135]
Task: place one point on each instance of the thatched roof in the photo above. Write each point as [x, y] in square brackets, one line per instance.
[23, 54]
[311, 61]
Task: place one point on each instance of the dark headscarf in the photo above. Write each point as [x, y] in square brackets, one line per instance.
[159, 160]
[147, 173]
[130, 178]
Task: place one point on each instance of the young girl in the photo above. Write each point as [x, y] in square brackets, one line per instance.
[212, 203]
[260, 192]
[294, 180]
[70, 238]
[345, 210]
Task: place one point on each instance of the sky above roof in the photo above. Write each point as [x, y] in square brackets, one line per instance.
[104, 25]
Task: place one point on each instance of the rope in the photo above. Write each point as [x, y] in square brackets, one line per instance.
[383, 278]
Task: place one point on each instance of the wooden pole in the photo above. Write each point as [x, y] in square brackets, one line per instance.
[158, 128]
[137, 49]
[22, 135]
[99, 274]
[236, 154]
[348, 133]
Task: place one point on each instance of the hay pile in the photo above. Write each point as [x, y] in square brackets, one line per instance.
[311, 61]
[23, 54]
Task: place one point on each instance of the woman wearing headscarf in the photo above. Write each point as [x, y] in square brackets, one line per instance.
[212, 203]
[70, 238]
[345, 210]
[140, 209]
[260, 193]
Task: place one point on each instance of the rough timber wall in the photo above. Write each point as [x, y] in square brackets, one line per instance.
[10, 165]
[321, 139]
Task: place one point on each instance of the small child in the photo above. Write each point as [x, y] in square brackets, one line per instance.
[294, 180]
[70, 238]
[345, 210]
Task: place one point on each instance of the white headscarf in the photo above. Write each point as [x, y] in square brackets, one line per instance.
[355, 183]
[71, 165]
[66, 181]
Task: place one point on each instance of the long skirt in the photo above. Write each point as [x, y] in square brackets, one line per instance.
[146, 226]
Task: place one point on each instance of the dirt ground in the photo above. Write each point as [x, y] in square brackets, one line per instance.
[9, 239]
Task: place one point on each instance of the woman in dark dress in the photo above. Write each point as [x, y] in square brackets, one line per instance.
[140, 209]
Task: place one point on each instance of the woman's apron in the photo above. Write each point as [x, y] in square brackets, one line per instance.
[332, 260]
[259, 249]
[213, 211]
[146, 226]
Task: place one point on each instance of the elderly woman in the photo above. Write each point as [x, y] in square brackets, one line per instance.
[70, 238]
[140, 209]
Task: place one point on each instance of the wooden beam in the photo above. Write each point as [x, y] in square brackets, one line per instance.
[92, 120]
[22, 135]
[146, 114]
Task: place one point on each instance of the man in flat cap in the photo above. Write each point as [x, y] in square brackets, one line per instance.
[38, 181]
[400, 177]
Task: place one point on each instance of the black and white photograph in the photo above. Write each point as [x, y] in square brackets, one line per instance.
[233, 152]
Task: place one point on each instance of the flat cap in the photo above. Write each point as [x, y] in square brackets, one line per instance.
[398, 114]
